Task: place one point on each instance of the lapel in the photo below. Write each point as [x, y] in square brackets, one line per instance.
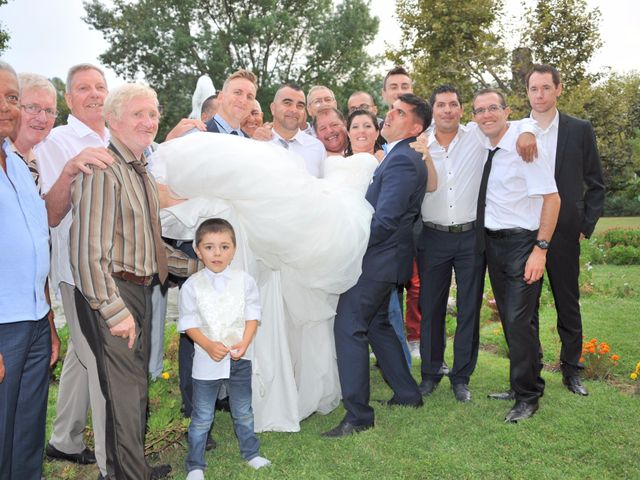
[563, 135]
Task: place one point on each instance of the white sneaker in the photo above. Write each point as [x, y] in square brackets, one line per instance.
[258, 462]
[195, 475]
[414, 349]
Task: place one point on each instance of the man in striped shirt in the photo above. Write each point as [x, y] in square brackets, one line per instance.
[116, 252]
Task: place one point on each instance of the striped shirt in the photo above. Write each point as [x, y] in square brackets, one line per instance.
[111, 232]
[30, 160]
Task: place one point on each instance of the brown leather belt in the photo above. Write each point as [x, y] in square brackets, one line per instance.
[130, 277]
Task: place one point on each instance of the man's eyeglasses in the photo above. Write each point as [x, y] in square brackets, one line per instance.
[33, 109]
[491, 109]
[320, 101]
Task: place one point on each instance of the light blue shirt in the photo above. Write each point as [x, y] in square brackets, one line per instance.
[24, 244]
[224, 126]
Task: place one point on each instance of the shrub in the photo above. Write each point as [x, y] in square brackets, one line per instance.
[622, 236]
[592, 251]
[623, 255]
[618, 206]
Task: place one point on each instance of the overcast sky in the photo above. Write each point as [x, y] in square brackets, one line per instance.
[48, 36]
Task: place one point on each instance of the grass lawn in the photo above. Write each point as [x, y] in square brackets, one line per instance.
[570, 437]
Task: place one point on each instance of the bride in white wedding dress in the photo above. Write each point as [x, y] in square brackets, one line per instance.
[302, 239]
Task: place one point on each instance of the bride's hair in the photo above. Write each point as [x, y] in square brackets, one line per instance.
[356, 113]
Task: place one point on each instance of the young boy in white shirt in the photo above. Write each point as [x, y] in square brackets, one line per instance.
[220, 311]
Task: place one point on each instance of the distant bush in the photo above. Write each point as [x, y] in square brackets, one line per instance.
[617, 206]
[622, 236]
[623, 255]
[592, 251]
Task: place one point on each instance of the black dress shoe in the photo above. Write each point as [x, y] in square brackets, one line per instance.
[508, 395]
[160, 471]
[461, 392]
[521, 411]
[574, 384]
[85, 457]
[395, 403]
[427, 387]
[344, 429]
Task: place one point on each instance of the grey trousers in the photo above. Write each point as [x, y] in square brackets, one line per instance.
[159, 314]
[79, 389]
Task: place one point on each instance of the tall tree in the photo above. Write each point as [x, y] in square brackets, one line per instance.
[451, 41]
[172, 43]
[563, 33]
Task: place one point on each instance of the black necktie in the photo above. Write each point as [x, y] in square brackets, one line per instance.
[233, 132]
[161, 255]
[482, 200]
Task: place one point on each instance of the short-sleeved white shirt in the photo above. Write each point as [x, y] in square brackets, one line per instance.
[515, 188]
[61, 145]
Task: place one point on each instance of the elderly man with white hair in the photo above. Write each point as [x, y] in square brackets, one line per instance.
[116, 251]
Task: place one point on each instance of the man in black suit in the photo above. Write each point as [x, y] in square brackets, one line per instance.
[578, 173]
[236, 101]
[396, 193]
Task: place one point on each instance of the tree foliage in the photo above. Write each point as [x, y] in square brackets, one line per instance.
[463, 43]
[451, 41]
[171, 44]
[4, 35]
[563, 33]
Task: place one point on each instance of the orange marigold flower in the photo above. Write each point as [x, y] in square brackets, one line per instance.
[615, 358]
[593, 340]
[581, 360]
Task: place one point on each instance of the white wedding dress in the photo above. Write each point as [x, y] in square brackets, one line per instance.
[302, 239]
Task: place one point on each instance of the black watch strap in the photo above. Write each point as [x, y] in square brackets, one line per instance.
[542, 244]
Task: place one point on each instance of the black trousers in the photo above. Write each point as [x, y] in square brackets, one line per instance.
[517, 302]
[123, 380]
[438, 254]
[362, 319]
[563, 271]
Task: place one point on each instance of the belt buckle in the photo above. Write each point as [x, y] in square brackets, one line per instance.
[455, 228]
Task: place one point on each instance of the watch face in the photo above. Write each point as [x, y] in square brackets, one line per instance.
[543, 244]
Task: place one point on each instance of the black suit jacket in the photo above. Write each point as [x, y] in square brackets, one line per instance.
[579, 177]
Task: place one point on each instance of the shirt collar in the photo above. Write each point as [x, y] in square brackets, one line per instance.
[82, 130]
[223, 275]
[462, 130]
[222, 123]
[126, 154]
[554, 123]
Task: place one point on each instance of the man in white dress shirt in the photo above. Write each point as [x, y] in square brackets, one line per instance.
[518, 208]
[64, 154]
[448, 241]
[286, 107]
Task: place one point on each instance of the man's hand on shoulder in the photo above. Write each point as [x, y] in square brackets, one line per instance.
[264, 133]
[184, 126]
[527, 146]
[126, 329]
[98, 157]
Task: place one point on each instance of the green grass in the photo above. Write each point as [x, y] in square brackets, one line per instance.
[606, 223]
[571, 437]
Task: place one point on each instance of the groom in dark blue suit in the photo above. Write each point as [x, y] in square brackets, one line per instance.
[396, 193]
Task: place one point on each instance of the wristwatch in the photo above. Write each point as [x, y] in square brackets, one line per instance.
[542, 244]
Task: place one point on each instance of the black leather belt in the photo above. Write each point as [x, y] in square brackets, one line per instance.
[507, 232]
[130, 277]
[462, 227]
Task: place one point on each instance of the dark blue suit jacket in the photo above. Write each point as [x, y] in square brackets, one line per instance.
[396, 192]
